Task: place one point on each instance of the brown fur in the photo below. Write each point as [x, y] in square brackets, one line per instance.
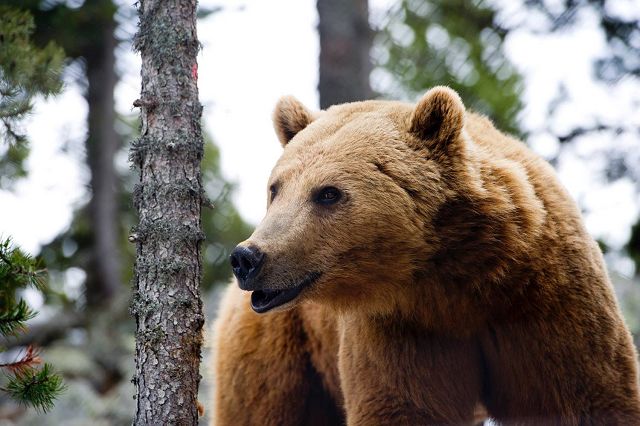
[455, 271]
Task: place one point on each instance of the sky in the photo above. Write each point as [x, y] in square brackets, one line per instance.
[255, 53]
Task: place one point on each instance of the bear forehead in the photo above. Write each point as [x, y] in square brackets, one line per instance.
[348, 134]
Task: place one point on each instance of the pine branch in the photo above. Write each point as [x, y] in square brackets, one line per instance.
[12, 318]
[18, 269]
[11, 135]
[26, 384]
[581, 131]
[36, 388]
[26, 70]
[27, 361]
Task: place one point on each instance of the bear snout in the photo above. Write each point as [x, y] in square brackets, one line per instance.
[246, 262]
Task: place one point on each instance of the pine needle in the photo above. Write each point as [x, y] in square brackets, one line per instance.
[12, 318]
[37, 388]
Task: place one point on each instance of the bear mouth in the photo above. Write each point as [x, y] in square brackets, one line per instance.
[265, 300]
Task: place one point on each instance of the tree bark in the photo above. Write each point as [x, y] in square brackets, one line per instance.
[166, 302]
[104, 269]
[345, 44]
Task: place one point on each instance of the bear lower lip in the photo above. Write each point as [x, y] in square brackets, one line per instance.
[264, 300]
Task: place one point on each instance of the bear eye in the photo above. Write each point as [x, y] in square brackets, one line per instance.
[273, 189]
[328, 195]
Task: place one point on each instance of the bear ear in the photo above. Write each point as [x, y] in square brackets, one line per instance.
[290, 117]
[438, 118]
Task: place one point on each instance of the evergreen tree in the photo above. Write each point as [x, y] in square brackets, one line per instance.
[87, 34]
[452, 42]
[25, 381]
[345, 44]
[25, 71]
[617, 64]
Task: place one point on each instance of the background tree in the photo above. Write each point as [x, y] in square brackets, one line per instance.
[25, 71]
[616, 66]
[452, 42]
[345, 44]
[86, 34]
[101, 341]
[167, 304]
[99, 230]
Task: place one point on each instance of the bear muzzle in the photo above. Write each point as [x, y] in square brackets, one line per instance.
[246, 262]
[265, 300]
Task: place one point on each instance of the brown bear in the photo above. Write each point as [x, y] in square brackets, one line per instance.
[413, 265]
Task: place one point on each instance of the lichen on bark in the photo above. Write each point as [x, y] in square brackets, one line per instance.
[168, 197]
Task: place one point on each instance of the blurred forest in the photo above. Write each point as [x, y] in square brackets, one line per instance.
[396, 51]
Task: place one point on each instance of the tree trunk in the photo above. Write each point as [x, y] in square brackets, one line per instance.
[345, 44]
[166, 302]
[103, 272]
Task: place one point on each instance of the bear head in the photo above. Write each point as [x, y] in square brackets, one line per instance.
[353, 202]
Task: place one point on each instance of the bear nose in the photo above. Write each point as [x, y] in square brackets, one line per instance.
[246, 263]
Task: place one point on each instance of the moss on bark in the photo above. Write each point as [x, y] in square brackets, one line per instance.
[168, 197]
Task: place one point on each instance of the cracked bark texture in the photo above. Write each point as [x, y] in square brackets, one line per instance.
[345, 43]
[166, 301]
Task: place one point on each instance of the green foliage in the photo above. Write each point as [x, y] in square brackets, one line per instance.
[25, 71]
[75, 28]
[26, 383]
[13, 318]
[621, 32]
[35, 387]
[616, 64]
[222, 225]
[17, 270]
[25, 67]
[455, 43]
